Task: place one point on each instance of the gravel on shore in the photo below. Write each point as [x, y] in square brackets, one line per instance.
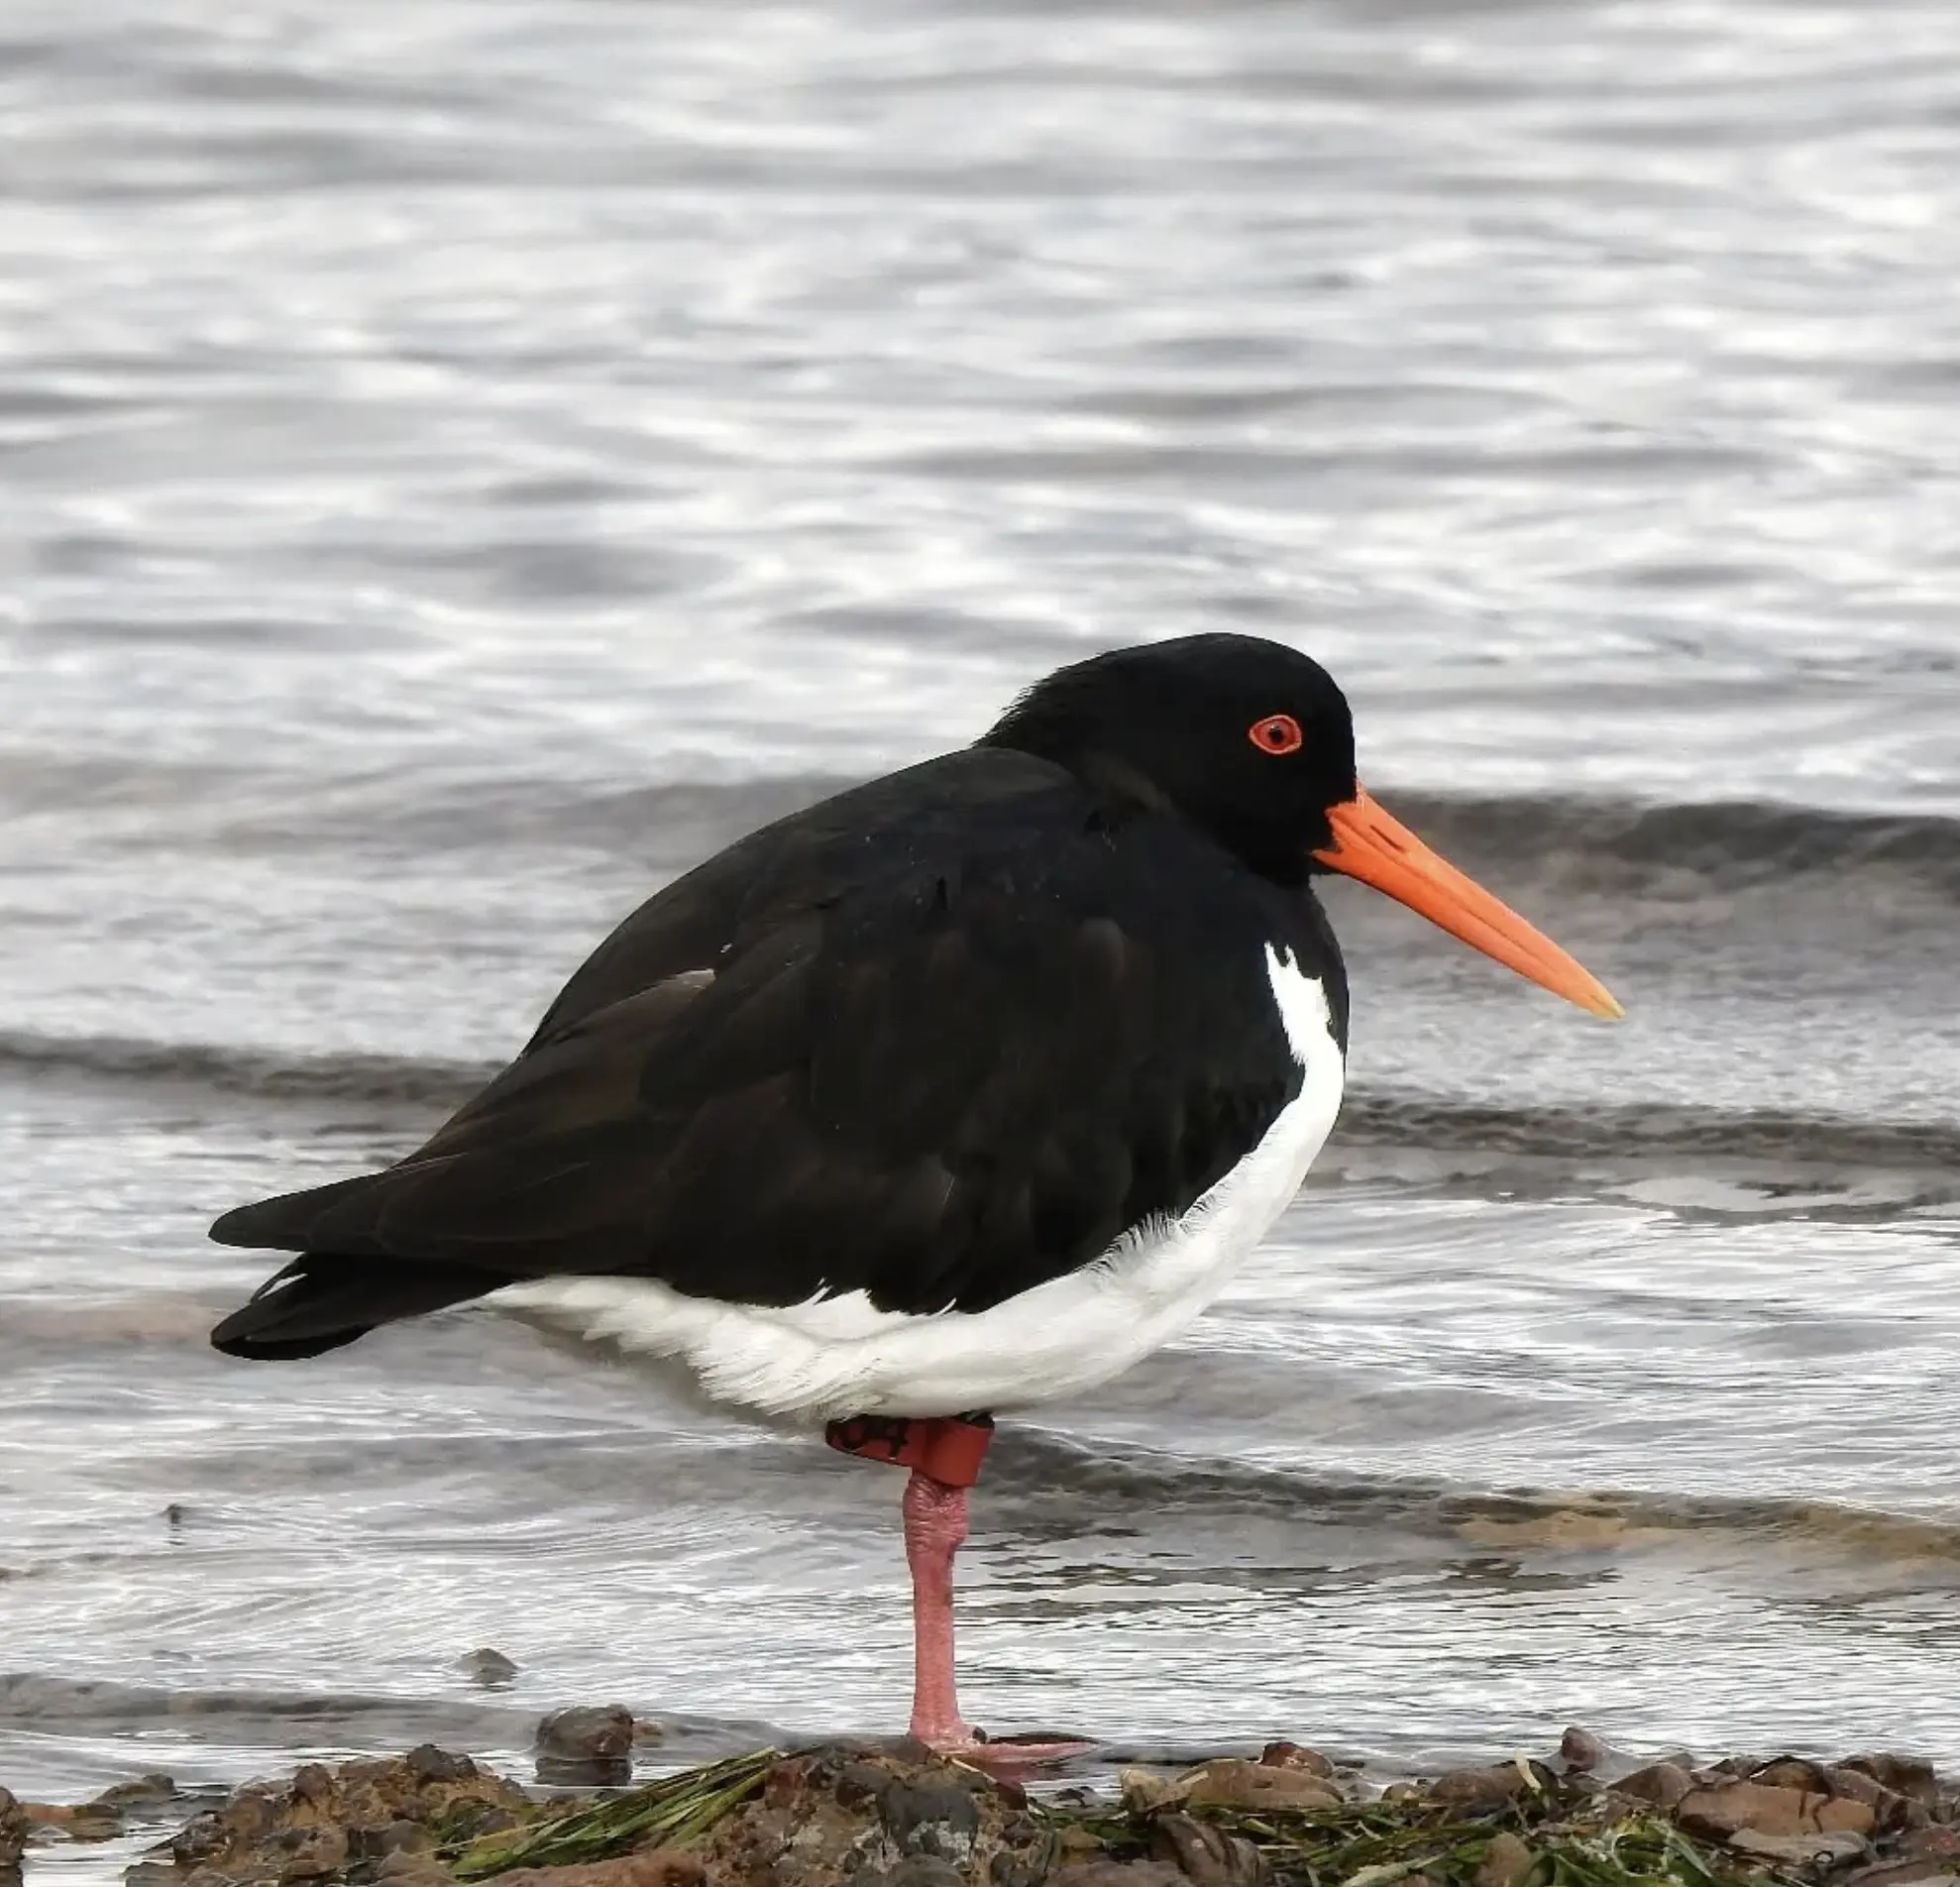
[894, 1815]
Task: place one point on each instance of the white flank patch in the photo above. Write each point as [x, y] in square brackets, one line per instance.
[839, 1356]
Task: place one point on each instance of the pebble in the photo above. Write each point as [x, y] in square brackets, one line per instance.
[1582, 1751]
[14, 1828]
[1661, 1783]
[488, 1665]
[1487, 1787]
[1767, 1809]
[1207, 1856]
[1506, 1861]
[1285, 1755]
[1234, 1783]
[586, 1746]
[1800, 1850]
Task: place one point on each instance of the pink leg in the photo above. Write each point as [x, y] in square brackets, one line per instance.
[935, 1526]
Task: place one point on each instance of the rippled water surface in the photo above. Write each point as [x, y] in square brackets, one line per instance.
[459, 462]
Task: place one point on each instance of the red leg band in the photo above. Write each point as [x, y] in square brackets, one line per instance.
[948, 1448]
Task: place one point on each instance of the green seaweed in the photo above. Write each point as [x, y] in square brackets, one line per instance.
[1578, 1841]
[675, 1810]
[1576, 1838]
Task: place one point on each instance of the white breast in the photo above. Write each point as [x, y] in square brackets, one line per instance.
[839, 1356]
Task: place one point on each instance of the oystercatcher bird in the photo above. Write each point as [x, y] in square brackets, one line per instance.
[960, 1091]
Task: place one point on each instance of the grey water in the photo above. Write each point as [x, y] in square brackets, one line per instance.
[459, 462]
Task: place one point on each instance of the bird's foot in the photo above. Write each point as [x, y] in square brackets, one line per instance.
[1003, 1755]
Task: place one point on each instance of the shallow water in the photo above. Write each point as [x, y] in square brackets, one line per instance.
[461, 463]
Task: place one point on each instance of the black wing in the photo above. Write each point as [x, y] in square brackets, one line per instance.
[939, 1057]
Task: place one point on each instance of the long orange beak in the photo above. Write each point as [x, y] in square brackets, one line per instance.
[1381, 851]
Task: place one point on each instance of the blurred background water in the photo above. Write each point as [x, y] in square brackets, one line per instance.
[461, 462]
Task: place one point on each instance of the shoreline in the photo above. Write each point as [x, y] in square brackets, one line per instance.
[892, 1813]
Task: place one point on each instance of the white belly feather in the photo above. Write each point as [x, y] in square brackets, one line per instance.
[839, 1356]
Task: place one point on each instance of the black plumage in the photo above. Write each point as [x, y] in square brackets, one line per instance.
[940, 1037]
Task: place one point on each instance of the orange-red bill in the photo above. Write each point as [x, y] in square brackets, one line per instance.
[1379, 851]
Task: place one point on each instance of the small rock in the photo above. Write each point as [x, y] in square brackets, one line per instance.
[271, 1833]
[1143, 1790]
[1795, 1772]
[1207, 1856]
[426, 1763]
[859, 1782]
[1232, 1782]
[1730, 1807]
[1295, 1756]
[1909, 1776]
[405, 1869]
[589, 1745]
[1109, 1873]
[154, 1791]
[1931, 1844]
[657, 1867]
[1582, 1751]
[488, 1665]
[14, 1829]
[312, 1782]
[1661, 1783]
[1486, 1788]
[938, 1819]
[403, 1837]
[1506, 1861]
[1901, 1874]
[91, 1824]
[1016, 1870]
[309, 1853]
[1799, 1850]
[917, 1870]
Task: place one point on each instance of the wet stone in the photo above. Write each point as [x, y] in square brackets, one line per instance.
[916, 1870]
[1207, 1855]
[1661, 1783]
[1284, 1755]
[1909, 1776]
[1767, 1809]
[1482, 1788]
[487, 1666]
[659, 1867]
[1111, 1873]
[1582, 1751]
[1799, 1850]
[311, 1827]
[404, 1869]
[1506, 1861]
[1234, 1783]
[586, 1746]
[939, 1818]
[1909, 1873]
[426, 1763]
[859, 1782]
[145, 1793]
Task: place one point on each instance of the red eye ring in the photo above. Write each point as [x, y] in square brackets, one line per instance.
[1275, 733]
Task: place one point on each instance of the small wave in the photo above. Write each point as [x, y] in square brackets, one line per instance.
[1619, 847]
[1636, 1131]
[1606, 847]
[1037, 1467]
[1603, 844]
[1633, 1132]
[256, 1074]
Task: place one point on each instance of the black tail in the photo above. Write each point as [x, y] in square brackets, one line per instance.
[322, 1300]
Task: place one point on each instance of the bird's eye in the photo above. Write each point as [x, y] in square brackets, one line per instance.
[1277, 733]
